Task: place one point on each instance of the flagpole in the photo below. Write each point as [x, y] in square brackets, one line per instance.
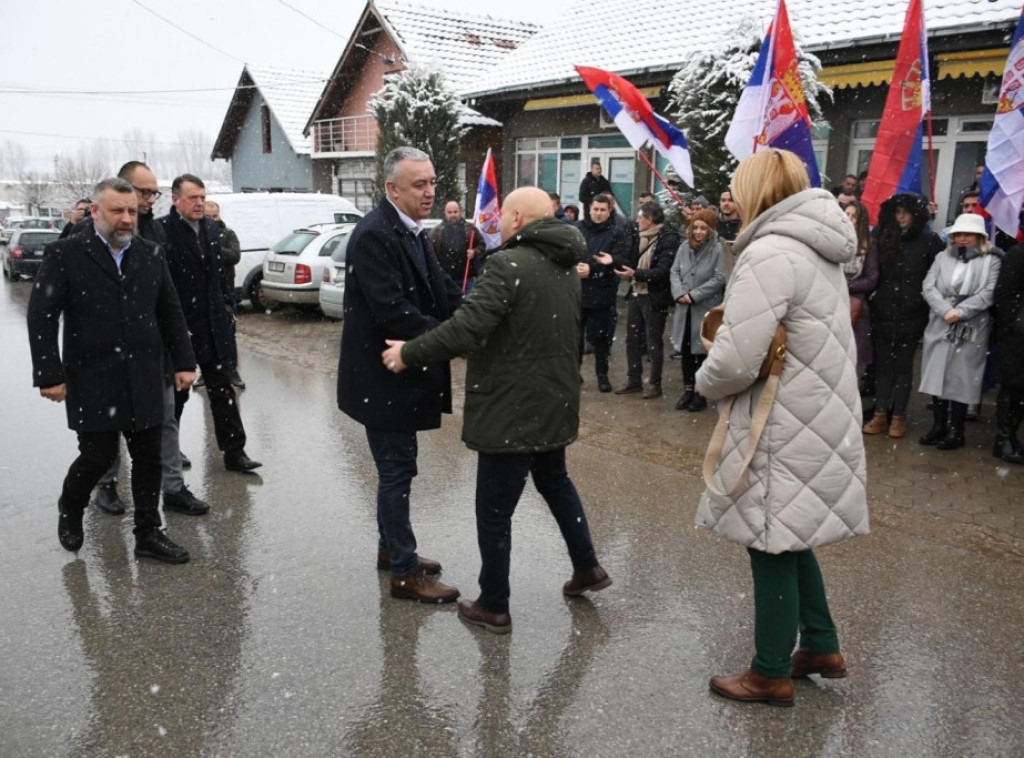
[469, 248]
[931, 157]
[657, 173]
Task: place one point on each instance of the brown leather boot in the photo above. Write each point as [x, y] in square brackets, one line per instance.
[878, 424]
[473, 613]
[751, 687]
[384, 563]
[829, 665]
[587, 580]
[898, 427]
[422, 587]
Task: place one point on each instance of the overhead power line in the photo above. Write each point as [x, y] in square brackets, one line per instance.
[187, 32]
[310, 18]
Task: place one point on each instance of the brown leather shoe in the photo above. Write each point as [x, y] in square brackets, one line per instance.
[629, 388]
[878, 424]
[751, 687]
[898, 427]
[473, 613]
[587, 580]
[384, 563]
[422, 587]
[652, 392]
[829, 665]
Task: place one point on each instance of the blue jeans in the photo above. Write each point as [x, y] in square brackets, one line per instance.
[500, 480]
[395, 456]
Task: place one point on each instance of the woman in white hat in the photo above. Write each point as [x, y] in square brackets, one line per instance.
[959, 289]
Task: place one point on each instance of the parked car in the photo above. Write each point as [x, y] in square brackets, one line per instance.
[295, 266]
[23, 253]
[261, 219]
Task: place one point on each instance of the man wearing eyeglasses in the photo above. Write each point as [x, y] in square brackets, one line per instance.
[177, 497]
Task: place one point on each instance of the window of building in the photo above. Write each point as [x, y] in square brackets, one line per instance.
[265, 122]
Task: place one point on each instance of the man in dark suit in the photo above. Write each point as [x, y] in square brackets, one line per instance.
[121, 314]
[395, 289]
[197, 267]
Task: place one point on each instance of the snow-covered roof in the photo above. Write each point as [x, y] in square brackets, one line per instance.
[290, 95]
[465, 46]
[662, 34]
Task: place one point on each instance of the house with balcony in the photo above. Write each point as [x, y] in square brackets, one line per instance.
[389, 35]
[262, 132]
[553, 127]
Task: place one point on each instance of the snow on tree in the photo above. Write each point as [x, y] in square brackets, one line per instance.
[417, 108]
[704, 93]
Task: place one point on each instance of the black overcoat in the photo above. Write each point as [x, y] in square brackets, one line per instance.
[197, 268]
[116, 328]
[388, 297]
[602, 285]
[1009, 308]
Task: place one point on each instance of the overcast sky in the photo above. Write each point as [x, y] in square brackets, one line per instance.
[63, 50]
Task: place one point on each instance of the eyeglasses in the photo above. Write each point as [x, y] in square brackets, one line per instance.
[148, 193]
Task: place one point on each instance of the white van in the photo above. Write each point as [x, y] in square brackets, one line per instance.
[262, 218]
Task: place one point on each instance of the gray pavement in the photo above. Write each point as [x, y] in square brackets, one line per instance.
[279, 638]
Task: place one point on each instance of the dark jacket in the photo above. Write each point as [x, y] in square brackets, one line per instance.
[600, 288]
[898, 309]
[197, 268]
[1009, 309]
[520, 326]
[657, 277]
[451, 241]
[591, 188]
[231, 249]
[387, 296]
[117, 326]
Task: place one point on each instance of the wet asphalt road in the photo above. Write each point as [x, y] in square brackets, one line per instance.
[279, 637]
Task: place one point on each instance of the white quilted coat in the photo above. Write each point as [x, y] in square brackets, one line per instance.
[806, 483]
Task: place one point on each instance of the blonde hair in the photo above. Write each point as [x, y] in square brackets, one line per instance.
[766, 178]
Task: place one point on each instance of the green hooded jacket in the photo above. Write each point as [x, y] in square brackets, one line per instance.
[520, 327]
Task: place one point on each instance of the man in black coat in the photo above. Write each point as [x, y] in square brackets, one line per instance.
[609, 246]
[197, 267]
[395, 289]
[450, 241]
[593, 184]
[121, 314]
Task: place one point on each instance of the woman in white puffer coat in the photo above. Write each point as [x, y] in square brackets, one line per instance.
[805, 485]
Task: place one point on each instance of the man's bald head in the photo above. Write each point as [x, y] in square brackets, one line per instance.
[521, 207]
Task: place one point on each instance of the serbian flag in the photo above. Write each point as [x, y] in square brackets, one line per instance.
[772, 111]
[636, 119]
[896, 160]
[1002, 183]
[486, 212]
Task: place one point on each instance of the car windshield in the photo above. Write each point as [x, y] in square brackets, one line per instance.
[37, 238]
[294, 243]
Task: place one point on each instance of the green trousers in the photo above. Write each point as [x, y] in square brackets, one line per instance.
[789, 597]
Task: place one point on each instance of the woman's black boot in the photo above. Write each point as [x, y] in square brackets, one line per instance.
[940, 422]
[955, 436]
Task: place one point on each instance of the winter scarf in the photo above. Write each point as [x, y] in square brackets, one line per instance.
[646, 253]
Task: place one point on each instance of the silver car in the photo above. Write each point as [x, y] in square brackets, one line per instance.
[294, 268]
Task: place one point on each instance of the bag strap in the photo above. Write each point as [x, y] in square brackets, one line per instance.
[758, 421]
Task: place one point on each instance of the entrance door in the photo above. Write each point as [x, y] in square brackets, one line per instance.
[620, 168]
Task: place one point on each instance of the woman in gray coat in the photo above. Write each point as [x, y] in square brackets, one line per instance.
[698, 282]
[959, 288]
[804, 486]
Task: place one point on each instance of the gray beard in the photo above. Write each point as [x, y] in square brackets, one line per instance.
[119, 239]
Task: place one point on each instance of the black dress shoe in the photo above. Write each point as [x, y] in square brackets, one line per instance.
[684, 400]
[698, 404]
[155, 544]
[69, 528]
[473, 613]
[107, 499]
[185, 462]
[183, 501]
[239, 461]
[236, 379]
[603, 385]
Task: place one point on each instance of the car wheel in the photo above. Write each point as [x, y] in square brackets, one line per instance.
[259, 303]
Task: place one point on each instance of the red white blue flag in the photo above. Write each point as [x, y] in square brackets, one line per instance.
[487, 212]
[897, 158]
[636, 119]
[772, 111]
[1002, 183]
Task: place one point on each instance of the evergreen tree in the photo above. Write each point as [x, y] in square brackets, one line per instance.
[704, 93]
[417, 108]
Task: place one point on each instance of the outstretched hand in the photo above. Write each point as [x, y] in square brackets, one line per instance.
[392, 357]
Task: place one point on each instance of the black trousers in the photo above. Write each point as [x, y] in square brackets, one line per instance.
[894, 374]
[95, 452]
[645, 324]
[500, 480]
[691, 361]
[227, 421]
[599, 326]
